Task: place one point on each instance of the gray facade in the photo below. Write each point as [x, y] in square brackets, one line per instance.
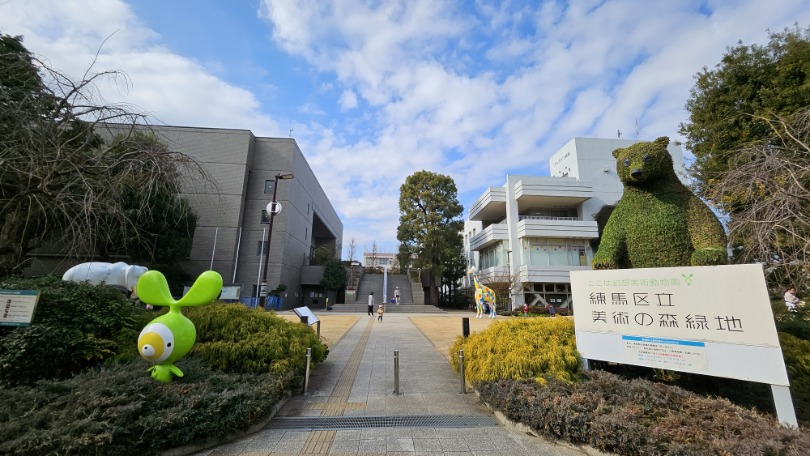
[231, 227]
[229, 198]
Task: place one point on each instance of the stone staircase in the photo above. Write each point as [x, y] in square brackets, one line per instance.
[374, 282]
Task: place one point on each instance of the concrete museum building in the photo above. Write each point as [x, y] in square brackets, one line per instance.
[232, 218]
[536, 229]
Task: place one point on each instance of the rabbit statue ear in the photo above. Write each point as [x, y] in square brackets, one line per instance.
[153, 289]
[205, 290]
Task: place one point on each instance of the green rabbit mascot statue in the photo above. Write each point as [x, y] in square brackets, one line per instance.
[169, 337]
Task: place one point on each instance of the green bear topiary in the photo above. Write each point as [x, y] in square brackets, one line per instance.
[658, 222]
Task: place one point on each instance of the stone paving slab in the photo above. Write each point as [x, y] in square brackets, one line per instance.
[357, 379]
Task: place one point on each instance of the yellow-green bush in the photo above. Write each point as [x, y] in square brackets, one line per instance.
[234, 338]
[520, 348]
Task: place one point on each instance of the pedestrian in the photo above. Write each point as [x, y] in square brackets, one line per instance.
[371, 304]
[791, 300]
[379, 313]
[396, 294]
[525, 310]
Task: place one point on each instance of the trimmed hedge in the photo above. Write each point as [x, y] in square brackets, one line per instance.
[235, 338]
[121, 410]
[75, 326]
[639, 417]
[520, 348]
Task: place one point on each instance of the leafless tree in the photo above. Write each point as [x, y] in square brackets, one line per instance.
[373, 258]
[505, 285]
[351, 250]
[766, 195]
[68, 161]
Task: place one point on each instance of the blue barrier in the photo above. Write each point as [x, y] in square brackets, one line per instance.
[273, 302]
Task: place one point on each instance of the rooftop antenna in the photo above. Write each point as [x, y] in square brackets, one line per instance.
[619, 132]
[638, 130]
[291, 129]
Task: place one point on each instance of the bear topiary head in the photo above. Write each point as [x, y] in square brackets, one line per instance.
[644, 162]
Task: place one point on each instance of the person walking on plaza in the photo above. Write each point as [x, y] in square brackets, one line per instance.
[791, 300]
[371, 304]
[379, 313]
[396, 295]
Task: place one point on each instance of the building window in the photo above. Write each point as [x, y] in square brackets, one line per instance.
[268, 187]
[557, 252]
[493, 256]
[265, 217]
[259, 248]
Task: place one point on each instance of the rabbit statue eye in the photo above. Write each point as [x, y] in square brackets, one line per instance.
[156, 342]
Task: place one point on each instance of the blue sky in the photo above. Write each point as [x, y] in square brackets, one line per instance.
[376, 90]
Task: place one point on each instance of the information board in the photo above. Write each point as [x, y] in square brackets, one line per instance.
[17, 307]
[712, 320]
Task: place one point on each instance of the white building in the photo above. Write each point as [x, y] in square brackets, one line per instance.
[534, 230]
[384, 260]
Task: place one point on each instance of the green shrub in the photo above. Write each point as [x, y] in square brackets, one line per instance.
[121, 410]
[797, 359]
[533, 311]
[639, 417]
[75, 326]
[235, 338]
[520, 348]
[794, 323]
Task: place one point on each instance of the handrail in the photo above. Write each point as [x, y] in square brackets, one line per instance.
[546, 217]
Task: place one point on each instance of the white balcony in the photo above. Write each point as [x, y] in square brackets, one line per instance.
[488, 236]
[549, 274]
[551, 192]
[491, 206]
[556, 227]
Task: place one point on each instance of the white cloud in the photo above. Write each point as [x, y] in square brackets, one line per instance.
[348, 100]
[547, 73]
[473, 90]
[172, 88]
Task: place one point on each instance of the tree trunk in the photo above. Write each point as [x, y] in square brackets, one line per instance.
[13, 245]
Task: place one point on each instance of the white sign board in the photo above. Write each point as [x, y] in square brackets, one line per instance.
[17, 307]
[711, 320]
[306, 312]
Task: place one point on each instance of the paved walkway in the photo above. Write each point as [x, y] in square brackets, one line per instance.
[351, 407]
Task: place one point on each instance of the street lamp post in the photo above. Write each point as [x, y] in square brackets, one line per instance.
[271, 212]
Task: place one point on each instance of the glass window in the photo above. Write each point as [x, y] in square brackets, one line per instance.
[259, 248]
[557, 252]
[265, 217]
[268, 186]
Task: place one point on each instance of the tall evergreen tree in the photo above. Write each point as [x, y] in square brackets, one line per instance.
[748, 129]
[731, 105]
[430, 225]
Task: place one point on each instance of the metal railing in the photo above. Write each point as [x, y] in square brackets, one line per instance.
[547, 217]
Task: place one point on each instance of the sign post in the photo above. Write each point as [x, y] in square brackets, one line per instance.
[710, 320]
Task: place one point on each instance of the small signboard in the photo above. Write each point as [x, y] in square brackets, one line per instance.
[17, 307]
[306, 312]
[231, 293]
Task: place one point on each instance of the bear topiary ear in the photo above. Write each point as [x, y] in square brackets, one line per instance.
[617, 152]
[663, 141]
